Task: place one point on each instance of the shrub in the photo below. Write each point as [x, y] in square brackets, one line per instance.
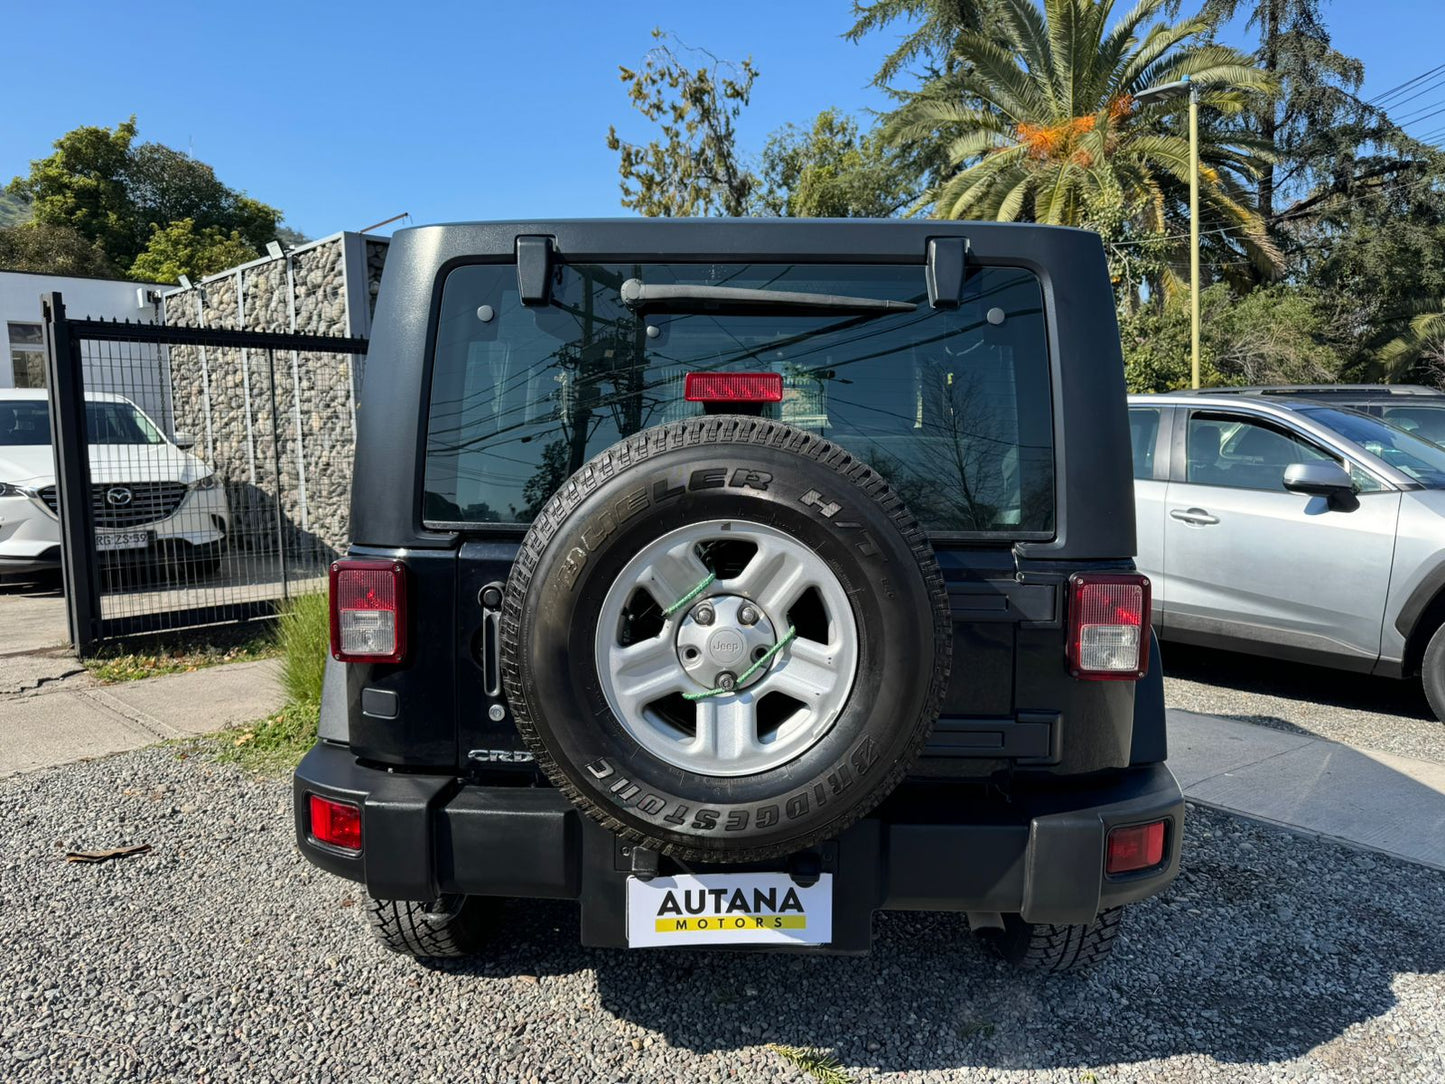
[304, 631]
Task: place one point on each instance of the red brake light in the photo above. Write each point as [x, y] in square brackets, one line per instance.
[733, 388]
[1109, 626]
[368, 611]
[1140, 846]
[336, 823]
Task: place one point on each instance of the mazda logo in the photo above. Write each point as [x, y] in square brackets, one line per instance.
[118, 496]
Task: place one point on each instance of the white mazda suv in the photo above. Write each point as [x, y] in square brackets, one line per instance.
[152, 500]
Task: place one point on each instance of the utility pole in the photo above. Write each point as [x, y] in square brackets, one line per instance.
[1163, 93]
[1193, 234]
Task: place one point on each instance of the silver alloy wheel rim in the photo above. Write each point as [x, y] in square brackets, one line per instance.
[726, 739]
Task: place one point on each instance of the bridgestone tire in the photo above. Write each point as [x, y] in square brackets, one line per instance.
[753, 471]
[1432, 673]
[446, 928]
[1046, 947]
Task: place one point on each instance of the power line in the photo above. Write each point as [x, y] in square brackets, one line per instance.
[1422, 113]
[1435, 113]
[1343, 200]
[1434, 84]
[1378, 98]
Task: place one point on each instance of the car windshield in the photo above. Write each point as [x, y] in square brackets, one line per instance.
[1421, 460]
[951, 405]
[27, 421]
[24, 421]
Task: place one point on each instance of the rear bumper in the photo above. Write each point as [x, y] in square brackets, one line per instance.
[930, 847]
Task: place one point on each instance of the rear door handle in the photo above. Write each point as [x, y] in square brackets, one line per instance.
[1197, 516]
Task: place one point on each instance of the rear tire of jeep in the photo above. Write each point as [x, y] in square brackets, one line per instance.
[672, 746]
[1432, 673]
[448, 927]
[1040, 946]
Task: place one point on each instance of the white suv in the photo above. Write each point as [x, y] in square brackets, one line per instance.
[152, 500]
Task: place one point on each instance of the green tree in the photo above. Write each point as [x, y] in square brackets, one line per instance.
[1323, 140]
[832, 170]
[1411, 345]
[1279, 334]
[1041, 122]
[693, 168]
[112, 191]
[167, 186]
[13, 209]
[182, 248]
[51, 250]
[931, 35]
[1382, 253]
[82, 186]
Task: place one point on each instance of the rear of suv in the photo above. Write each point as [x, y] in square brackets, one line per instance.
[739, 579]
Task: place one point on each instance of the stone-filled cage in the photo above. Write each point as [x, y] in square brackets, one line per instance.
[278, 428]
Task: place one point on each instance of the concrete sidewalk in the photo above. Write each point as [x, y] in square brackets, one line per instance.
[1295, 779]
[75, 719]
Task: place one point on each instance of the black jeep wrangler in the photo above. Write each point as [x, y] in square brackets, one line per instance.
[738, 579]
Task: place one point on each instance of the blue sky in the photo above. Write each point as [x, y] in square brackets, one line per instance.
[343, 115]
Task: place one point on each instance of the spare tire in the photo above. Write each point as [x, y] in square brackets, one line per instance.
[725, 639]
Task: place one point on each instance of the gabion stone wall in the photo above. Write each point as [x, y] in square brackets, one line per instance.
[279, 428]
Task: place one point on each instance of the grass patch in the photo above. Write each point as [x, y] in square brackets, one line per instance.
[278, 742]
[118, 663]
[274, 745]
[821, 1065]
[303, 633]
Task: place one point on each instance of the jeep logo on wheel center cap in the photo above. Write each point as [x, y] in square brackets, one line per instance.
[726, 646]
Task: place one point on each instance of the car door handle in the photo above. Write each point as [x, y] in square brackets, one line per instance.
[1197, 516]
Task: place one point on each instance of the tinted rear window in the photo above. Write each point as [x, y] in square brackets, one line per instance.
[951, 405]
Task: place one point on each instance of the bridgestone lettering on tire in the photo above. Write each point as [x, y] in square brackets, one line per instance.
[720, 539]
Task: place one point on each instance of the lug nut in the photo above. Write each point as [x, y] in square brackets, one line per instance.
[704, 614]
[748, 615]
[726, 680]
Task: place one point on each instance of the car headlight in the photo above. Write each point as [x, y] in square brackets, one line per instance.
[206, 481]
[8, 489]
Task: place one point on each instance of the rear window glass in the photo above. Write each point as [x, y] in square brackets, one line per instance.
[952, 406]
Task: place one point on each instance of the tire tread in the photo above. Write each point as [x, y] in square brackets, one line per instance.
[407, 927]
[1057, 948]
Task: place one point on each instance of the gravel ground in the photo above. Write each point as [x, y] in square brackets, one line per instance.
[221, 955]
[1366, 712]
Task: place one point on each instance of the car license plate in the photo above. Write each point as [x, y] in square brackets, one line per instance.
[122, 540]
[728, 909]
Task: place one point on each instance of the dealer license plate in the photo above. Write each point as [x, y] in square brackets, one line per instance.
[728, 909]
[122, 540]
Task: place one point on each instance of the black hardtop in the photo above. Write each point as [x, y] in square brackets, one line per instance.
[1093, 489]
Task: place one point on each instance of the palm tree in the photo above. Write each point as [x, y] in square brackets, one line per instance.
[1413, 336]
[1040, 122]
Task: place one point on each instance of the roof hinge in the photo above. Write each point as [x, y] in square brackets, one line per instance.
[534, 269]
[947, 257]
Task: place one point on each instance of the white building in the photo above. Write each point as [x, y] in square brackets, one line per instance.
[130, 369]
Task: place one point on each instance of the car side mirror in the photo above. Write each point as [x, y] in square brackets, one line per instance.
[184, 441]
[1319, 480]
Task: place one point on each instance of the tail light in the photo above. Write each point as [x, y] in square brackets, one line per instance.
[1139, 846]
[368, 611]
[1109, 626]
[336, 823]
[733, 388]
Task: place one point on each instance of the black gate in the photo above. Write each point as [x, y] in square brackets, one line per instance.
[203, 475]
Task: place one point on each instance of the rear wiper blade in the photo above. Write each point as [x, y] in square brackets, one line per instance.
[639, 296]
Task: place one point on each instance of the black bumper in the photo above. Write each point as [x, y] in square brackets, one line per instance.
[929, 847]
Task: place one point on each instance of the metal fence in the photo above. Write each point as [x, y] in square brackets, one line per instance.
[203, 474]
